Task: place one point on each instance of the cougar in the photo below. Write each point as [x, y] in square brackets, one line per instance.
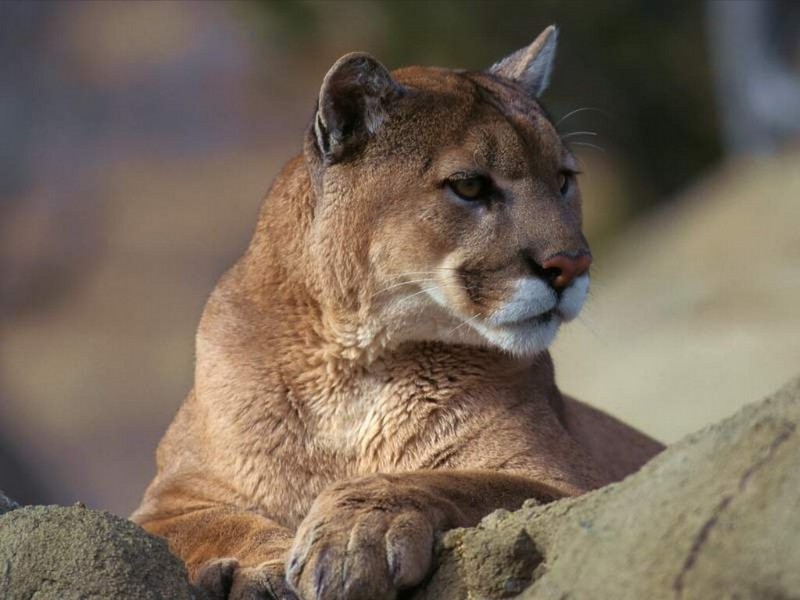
[374, 369]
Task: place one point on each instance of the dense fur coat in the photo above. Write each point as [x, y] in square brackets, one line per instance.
[374, 369]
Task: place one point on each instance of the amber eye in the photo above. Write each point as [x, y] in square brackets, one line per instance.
[470, 188]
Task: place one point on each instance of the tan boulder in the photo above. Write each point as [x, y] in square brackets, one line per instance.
[717, 515]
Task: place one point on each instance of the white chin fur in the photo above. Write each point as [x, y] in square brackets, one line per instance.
[530, 337]
[573, 298]
[523, 339]
[514, 327]
[531, 297]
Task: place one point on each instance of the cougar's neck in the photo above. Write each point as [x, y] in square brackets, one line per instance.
[266, 320]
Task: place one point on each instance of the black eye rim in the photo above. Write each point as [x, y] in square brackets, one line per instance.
[484, 194]
[569, 176]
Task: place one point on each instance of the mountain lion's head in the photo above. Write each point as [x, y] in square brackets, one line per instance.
[445, 205]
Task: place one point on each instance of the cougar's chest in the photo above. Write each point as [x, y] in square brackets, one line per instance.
[428, 409]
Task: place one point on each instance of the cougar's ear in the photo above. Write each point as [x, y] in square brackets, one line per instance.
[352, 104]
[531, 66]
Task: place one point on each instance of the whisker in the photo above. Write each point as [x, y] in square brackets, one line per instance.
[423, 280]
[428, 289]
[587, 144]
[423, 291]
[570, 134]
[460, 325]
[580, 110]
[589, 328]
[414, 274]
[436, 271]
[394, 285]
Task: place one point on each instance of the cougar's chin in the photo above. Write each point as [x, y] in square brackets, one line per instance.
[523, 338]
[528, 321]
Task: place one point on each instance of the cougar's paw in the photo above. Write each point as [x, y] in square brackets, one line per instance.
[363, 541]
[226, 579]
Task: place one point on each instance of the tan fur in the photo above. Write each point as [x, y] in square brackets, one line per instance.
[337, 422]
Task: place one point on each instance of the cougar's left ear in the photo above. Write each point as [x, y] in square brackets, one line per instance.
[352, 104]
[531, 66]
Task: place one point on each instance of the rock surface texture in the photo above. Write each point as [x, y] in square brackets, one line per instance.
[72, 553]
[717, 515]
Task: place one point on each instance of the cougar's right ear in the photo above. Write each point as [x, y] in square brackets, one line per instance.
[352, 104]
[531, 66]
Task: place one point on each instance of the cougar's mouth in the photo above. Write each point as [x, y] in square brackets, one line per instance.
[526, 323]
[542, 318]
[538, 319]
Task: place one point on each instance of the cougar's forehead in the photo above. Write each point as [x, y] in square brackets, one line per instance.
[495, 121]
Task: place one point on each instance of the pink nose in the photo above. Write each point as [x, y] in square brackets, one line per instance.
[563, 269]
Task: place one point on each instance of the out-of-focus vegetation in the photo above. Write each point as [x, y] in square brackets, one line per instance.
[642, 67]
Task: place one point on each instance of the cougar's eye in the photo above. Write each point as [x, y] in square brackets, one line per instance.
[565, 182]
[470, 188]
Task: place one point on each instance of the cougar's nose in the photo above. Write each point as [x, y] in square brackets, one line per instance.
[562, 269]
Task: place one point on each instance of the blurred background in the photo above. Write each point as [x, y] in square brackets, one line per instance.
[137, 140]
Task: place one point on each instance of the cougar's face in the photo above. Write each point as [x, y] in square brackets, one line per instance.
[480, 233]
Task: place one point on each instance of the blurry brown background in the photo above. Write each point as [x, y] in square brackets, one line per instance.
[137, 139]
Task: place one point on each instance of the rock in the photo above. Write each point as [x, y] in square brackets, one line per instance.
[72, 553]
[716, 515]
[6, 503]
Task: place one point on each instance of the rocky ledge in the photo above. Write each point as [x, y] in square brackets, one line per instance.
[715, 515]
[73, 553]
